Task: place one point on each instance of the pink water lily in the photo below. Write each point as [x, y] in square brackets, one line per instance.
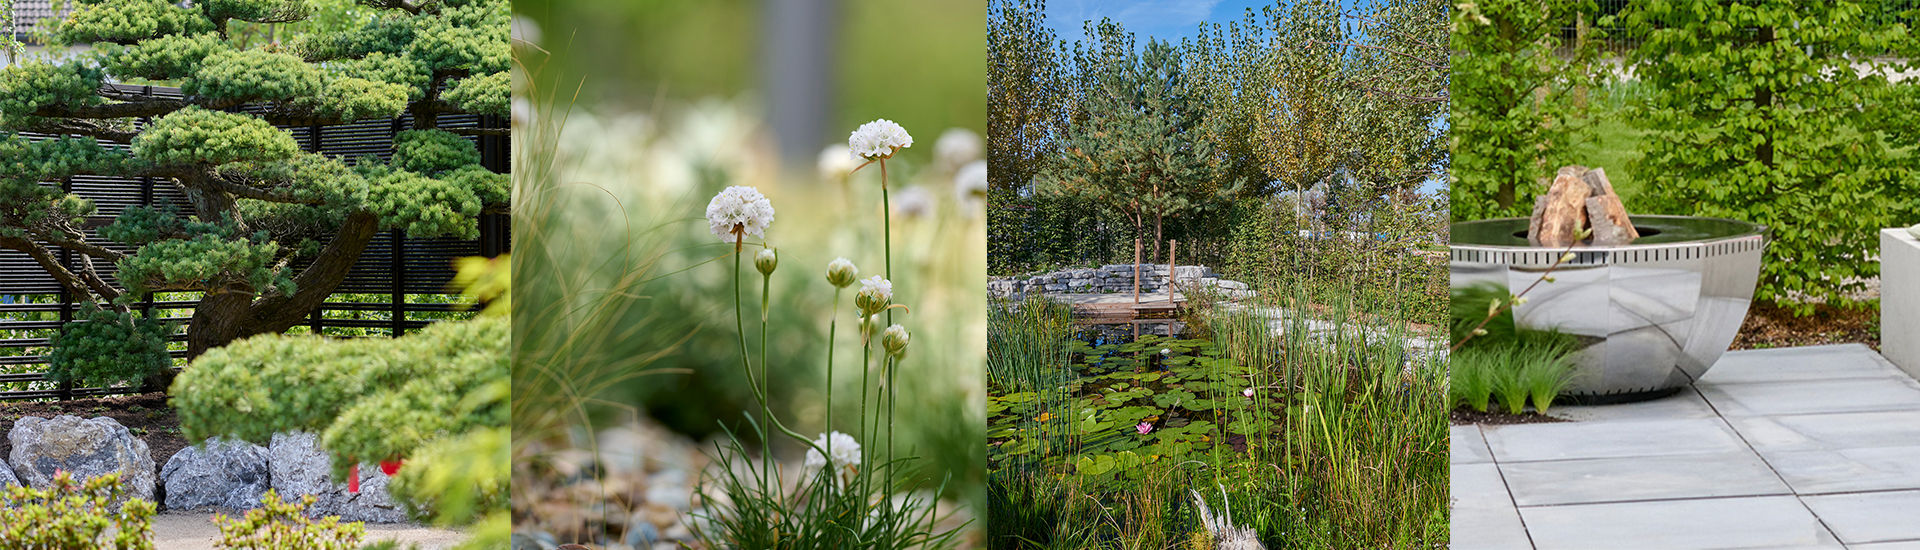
[1144, 427]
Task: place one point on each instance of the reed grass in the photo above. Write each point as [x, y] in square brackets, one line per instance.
[1357, 460]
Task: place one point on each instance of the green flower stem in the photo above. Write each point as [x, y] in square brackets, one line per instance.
[866, 362]
[833, 324]
[886, 239]
[746, 364]
[766, 385]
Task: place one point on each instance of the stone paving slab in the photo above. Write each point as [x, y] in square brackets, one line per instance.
[1830, 431]
[1789, 448]
[1872, 469]
[1641, 478]
[1576, 440]
[1466, 446]
[1889, 393]
[1799, 365]
[1902, 545]
[1686, 404]
[1701, 524]
[1483, 517]
[1870, 517]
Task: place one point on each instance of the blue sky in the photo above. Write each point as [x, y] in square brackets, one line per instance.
[1168, 20]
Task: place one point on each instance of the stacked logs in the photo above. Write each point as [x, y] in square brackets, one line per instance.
[1579, 199]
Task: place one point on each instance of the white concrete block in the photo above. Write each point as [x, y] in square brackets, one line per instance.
[1900, 299]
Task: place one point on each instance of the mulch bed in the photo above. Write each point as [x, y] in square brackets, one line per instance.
[1769, 326]
[146, 415]
[1463, 416]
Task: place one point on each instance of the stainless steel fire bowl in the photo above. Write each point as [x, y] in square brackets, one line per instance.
[1652, 316]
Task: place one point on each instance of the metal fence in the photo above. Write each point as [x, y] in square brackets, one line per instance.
[1613, 40]
[374, 299]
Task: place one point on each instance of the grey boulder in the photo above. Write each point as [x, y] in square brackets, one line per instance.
[216, 474]
[300, 467]
[89, 448]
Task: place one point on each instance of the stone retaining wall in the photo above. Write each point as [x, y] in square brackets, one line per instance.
[1111, 279]
[229, 475]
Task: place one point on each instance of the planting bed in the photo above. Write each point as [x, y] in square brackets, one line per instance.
[1769, 326]
[1494, 417]
[146, 415]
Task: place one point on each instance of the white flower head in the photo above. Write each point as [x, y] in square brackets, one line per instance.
[877, 140]
[881, 288]
[875, 294]
[739, 211]
[970, 183]
[913, 202]
[956, 146]
[841, 447]
[836, 161]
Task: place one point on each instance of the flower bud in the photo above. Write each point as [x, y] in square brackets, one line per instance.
[895, 341]
[765, 261]
[875, 294]
[841, 273]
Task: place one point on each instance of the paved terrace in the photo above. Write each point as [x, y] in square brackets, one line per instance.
[1813, 447]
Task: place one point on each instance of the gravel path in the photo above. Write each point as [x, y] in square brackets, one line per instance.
[195, 531]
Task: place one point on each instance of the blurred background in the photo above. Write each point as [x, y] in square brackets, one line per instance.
[629, 116]
[816, 69]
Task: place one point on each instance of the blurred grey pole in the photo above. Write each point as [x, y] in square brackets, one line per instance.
[799, 73]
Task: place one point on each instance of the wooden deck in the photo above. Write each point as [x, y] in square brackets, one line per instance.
[1120, 308]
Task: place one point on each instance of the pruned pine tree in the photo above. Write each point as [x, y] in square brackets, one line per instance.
[257, 201]
[1135, 146]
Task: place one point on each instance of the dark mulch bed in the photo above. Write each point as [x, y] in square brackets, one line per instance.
[1769, 326]
[146, 415]
[1463, 416]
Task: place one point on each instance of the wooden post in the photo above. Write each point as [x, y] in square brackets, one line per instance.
[1136, 271]
[1173, 253]
[399, 274]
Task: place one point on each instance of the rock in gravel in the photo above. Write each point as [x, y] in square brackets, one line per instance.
[7, 479]
[219, 474]
[87, 447]
[300, 467]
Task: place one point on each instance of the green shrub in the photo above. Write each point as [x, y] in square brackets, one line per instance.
[74, 516]
[1780, 113]
[370, 399]
[437, 398]
[1514, 110]
[277, 525]
[108, 348]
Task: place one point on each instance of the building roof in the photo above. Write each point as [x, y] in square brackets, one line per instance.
[32, 15]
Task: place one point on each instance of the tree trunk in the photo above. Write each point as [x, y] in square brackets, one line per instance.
[227, 316]
[1156, 237]
[1763, 102]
